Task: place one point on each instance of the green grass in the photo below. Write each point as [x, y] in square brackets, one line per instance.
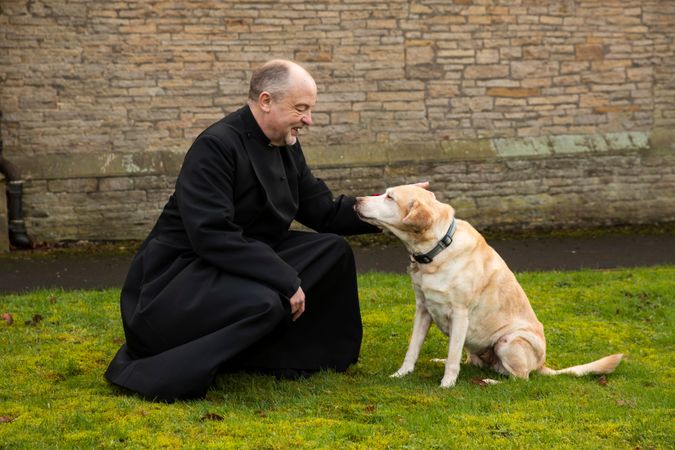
[52, 391]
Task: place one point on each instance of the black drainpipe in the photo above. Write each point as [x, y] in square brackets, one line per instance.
[17, 228]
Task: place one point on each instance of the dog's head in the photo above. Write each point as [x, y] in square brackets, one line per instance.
[410, 212]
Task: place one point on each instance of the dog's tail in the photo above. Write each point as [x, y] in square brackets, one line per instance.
[599, 367]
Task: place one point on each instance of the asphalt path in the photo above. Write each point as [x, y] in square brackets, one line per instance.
[21, 273]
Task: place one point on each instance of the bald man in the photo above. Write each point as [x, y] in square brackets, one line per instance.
[221, 283]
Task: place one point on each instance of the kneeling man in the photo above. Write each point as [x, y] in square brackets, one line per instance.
[220, 283]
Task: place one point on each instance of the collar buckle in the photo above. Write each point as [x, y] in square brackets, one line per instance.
[426, 258]
[422, 259]
[446, 241]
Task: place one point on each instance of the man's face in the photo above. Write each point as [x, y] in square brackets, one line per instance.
[292, 112]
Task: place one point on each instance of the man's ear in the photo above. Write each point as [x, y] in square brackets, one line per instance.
[418, 217]
[265, 101]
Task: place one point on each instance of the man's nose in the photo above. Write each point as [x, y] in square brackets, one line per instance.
[307, 118]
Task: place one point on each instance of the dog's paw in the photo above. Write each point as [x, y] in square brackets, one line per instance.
[448, 382]
[401, 373]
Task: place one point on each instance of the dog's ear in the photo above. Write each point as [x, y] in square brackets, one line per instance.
[418, 217]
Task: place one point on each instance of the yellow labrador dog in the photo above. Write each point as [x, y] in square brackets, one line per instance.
[465, 287]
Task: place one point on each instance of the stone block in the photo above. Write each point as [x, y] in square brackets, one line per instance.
[416, 8]
[419, 55]
[345, 117]
[616, 109]
[471, 104]
[586, 52]
[512, 92]
[487, 56]
[631, 140]
[554, 100]
[486, 71]
[534, 68]
[663, 141]
[73, 185]
[115, 184]
[570, 144]
[424, 71]
[478, 149]
[524, 147]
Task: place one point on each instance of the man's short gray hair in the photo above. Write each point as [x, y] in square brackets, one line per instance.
[272, 77]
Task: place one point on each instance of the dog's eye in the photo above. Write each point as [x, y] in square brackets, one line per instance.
[389, 197]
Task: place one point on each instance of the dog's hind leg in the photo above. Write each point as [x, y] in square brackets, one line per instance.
[486, 358]
[516, 356]
[475, 360]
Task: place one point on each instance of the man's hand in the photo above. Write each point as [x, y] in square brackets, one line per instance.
[297, 304]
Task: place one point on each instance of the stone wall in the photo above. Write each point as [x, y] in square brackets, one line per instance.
[4, 220]
[522, 113]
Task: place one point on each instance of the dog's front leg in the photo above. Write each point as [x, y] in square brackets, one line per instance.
[460, 325]
[421, 326]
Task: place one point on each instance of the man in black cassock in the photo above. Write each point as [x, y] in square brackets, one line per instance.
[220, 283]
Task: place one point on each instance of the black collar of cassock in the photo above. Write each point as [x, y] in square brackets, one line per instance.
[252, 129]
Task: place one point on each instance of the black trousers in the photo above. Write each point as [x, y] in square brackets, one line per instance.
[185, 320]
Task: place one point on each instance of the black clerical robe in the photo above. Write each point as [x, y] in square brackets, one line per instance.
[208, 289]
